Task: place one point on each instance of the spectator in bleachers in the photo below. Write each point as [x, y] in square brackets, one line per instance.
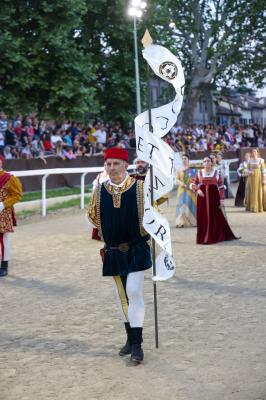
[56, 137]
[45, 143]
[29, 128]
[92, 139]
[3, 123]
[68, 153]
[67, 138]
[24, 137]
[7, 153]
[10, 136]
[100, 134]
[26, 152]
[59, 150]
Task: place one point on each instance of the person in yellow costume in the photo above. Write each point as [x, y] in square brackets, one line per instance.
[256, 183]
[10, 194]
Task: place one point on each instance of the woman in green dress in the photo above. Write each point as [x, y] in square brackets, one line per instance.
[186, 198]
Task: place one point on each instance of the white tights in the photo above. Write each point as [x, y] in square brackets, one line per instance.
[129, 292]
[5, 246]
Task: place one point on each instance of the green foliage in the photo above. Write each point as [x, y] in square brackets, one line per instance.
[72, 58]
[43, 66]
[220, 43]
[108, 33]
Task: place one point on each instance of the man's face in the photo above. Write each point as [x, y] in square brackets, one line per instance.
[116, 169]
[141, 167]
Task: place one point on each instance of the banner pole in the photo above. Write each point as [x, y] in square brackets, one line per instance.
[152, 202]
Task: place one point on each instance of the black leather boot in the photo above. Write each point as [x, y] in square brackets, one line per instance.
[137, 354]
[4, 268]
[126, 349]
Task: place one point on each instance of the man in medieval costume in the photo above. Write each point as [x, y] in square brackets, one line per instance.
[141, 169]
[116, 210]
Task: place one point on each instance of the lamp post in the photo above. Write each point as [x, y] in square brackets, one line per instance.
[135, 10]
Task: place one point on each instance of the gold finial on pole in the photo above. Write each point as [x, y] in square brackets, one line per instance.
[147, 39]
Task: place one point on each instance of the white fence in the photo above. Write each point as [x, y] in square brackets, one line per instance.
[82, 171]
[61, 171]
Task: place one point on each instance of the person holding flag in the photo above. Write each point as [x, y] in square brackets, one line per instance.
[141, 169]
[116, 210]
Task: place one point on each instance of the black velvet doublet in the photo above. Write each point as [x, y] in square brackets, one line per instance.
[123, 225]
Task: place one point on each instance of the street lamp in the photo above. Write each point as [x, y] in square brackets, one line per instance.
[135, 10]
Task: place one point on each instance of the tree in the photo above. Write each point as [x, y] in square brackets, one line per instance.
[218, 41]
[107, 32]
[43, 66]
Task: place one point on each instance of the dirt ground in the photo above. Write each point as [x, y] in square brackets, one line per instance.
[60, 327]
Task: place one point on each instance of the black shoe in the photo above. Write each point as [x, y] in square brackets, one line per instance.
[125, 350]
[4, 268]
[137, 354]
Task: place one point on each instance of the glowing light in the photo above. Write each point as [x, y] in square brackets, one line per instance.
[135, 3]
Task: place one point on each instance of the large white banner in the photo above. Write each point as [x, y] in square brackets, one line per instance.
[154, 150]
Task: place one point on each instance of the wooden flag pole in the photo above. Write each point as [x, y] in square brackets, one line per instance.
[146, 40]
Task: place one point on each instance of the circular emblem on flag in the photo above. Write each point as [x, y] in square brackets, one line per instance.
[168, 69]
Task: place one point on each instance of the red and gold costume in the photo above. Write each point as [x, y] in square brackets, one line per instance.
[10, 193]
[212, 226]
[116, 210]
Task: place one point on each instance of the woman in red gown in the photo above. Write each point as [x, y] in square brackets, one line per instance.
[212, 226]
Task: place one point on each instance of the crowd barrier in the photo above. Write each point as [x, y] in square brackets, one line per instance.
[43, 174]
[34, 182]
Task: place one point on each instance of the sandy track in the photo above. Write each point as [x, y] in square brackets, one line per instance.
[60, 327]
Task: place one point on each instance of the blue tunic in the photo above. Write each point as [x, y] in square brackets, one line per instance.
[123, 225]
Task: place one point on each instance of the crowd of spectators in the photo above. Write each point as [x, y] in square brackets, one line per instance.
[28, 137]
[196, 138]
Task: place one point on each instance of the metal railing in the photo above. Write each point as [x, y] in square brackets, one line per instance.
[83, 171]
[61, 171]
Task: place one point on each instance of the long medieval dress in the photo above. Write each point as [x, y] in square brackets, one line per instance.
[212, 226]
[186, 199]
[240, 199]
[256, 186]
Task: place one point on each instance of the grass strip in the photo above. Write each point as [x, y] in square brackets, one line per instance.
[29, 196]
[54, 207]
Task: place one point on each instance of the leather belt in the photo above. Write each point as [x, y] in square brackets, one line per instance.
[124, 247]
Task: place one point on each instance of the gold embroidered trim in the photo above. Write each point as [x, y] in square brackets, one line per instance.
[140, 204]
[98, 203]
[6, 221]
[116, 192]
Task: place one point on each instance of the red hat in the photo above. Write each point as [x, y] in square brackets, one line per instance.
[116, 152]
